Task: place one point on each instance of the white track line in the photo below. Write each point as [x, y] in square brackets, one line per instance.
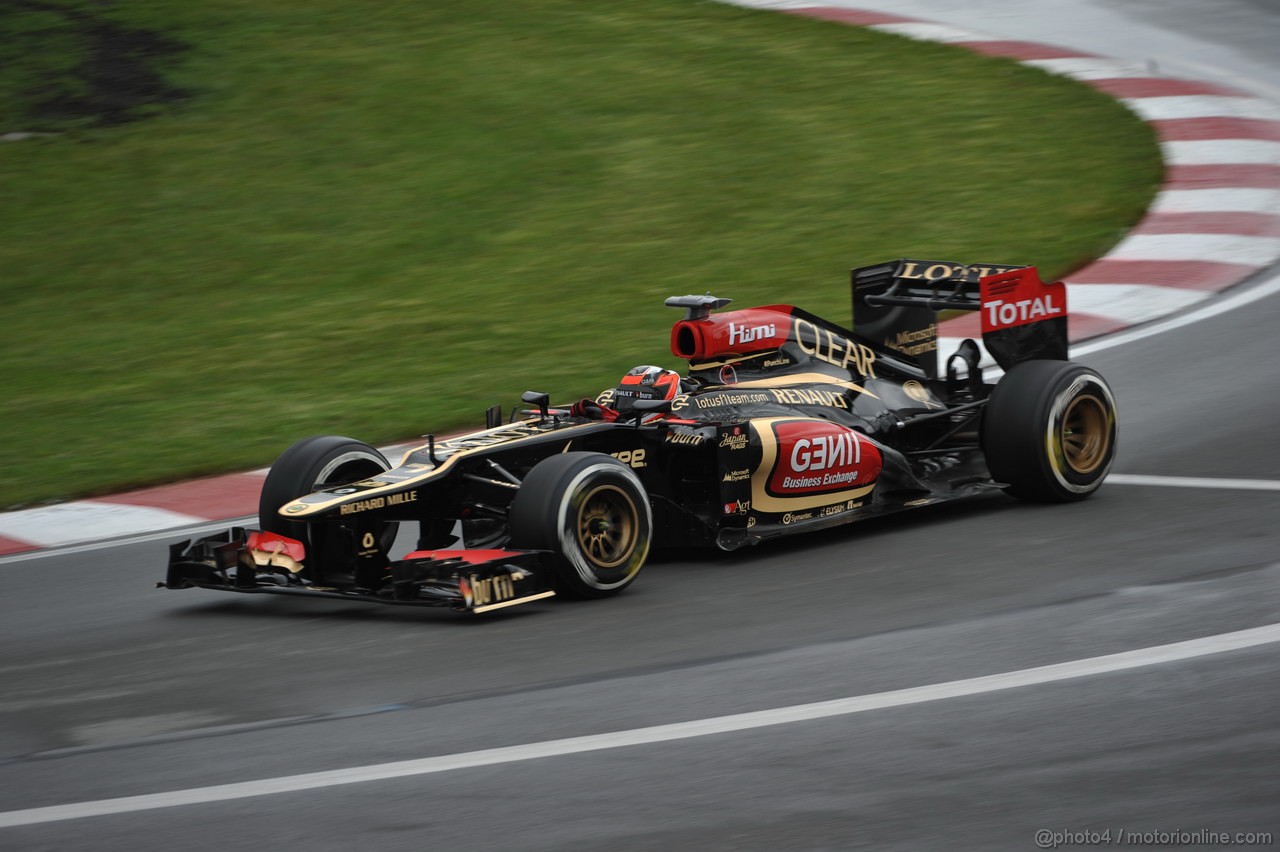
[1130, 303]
[1221, 248]
[218, 526]
[66, 523]
[1201, 106]
[1212, 152]
[1222, 200]
[1194, 482]
[657, 734]
[1090, 67]
[1213, 71]
[1219, 304]
[169, 535]
[926, 31]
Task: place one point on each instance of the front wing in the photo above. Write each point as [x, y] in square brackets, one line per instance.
[253, 562]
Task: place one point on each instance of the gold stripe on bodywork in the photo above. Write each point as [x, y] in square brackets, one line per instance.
[425, 476]
[539, 596]
[802, 379]
[528, 421]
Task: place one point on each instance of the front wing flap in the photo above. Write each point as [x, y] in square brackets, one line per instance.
[253, 562]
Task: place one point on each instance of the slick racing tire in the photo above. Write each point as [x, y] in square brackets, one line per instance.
[325, 461]
[592, 513]
[1049, 431]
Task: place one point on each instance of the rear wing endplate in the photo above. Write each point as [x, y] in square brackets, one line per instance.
[1023, 318]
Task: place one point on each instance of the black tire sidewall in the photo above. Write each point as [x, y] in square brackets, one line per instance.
[544, 516]
[1022, 424]
[298, 472]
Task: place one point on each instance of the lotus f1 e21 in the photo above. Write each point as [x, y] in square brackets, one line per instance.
[784, 422]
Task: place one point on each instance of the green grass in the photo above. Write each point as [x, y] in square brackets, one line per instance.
[378, 219]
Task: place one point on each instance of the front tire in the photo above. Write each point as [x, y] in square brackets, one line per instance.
[1049, 431]
[312, 464]
[592, 513]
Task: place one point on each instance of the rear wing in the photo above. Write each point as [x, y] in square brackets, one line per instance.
[896, 304]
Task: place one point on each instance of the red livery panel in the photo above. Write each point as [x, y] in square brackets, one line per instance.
[269, 542]
[1019, 297]
[731, 333]
[816, 457]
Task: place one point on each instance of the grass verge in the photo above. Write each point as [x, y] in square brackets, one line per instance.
[378, 220]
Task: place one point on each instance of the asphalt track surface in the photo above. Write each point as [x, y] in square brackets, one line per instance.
[115, 689]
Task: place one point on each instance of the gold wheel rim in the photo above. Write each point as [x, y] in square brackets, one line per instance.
[1086, 434]
[607, 526]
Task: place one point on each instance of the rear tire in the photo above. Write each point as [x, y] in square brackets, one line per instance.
[1049, 431]
[593, 514]
[325, 461]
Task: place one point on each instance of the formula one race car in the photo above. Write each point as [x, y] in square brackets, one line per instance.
[785, 422]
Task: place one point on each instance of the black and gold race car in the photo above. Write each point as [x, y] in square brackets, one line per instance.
[784, 422]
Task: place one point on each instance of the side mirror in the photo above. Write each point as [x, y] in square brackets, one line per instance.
[541, 400]
[641, 407]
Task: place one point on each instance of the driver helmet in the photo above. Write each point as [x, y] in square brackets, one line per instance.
[648, 382]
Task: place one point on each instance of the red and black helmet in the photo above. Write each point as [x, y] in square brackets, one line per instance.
[648, 382]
